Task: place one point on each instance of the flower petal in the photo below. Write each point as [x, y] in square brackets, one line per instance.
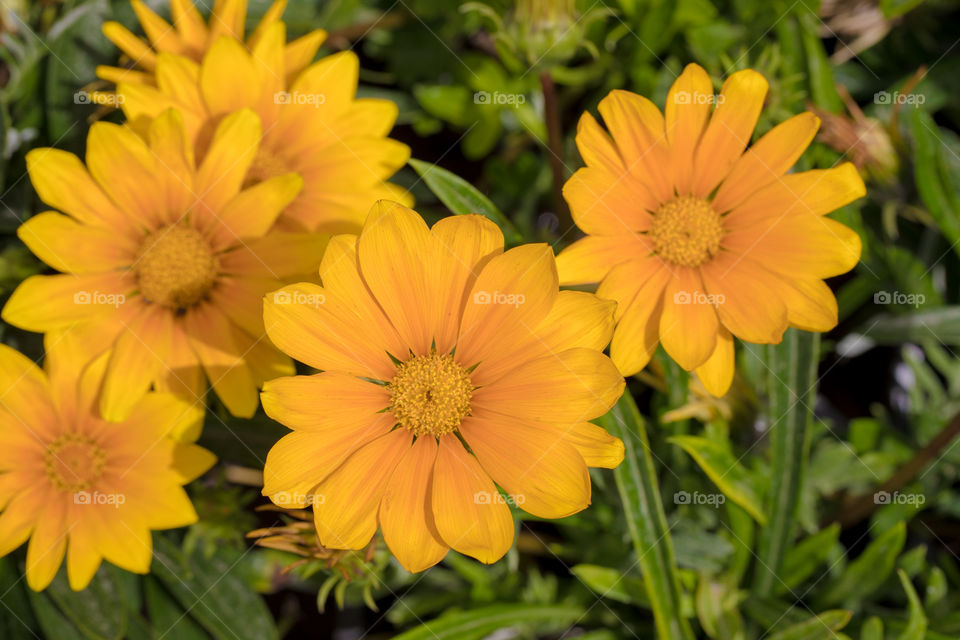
[589, 259]
[71, 247]
[749, 301]
[688, 325]
[230, 155]
[638, 327]
[716, 373]
[608, 204]
[637, 127]
[228, 78]
[685, 113]
[50, 303]
[323, 401]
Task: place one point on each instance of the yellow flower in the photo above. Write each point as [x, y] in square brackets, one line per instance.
[165, 261]
[699, 238]
[432, 341]
[313, 123]
[80, 486]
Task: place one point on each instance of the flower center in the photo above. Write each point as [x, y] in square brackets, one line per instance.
[430, 394]
[74, 462]
[686, 231]
[176, 267]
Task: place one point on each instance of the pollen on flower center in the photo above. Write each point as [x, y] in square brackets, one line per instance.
[430, 394]
[686, 231]
[74, 462]
[176, 267]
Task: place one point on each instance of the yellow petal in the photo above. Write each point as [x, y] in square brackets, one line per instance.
[686, 111]
[730, 129]
[638, 330]
[345, 511]
[608, 204]
[170, 144]
[539, 470]
[637, 127]
[139, 353]
[767, 160]
[598, 448]
[124, 167]
[193, 31]
[405, 514]
[596, 147]
[161, 35]
[589, 259]
[18, 518]
[301, 52]
[253, 211]
[50, 303]
[323, 401]
[811, 305]
[171, 416]
[134, 47]
[688, 325]
[335, 78]
[467, 509]
[231, 153]
[128, 545]
[83, 559]
[716, 373]
[71, 247]
[190, 461]
[749, 304]
[227, 19]
[277, 255]
[569, 386]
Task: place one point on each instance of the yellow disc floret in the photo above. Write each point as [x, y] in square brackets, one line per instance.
[73, 462]
[686, 231]
[176, 267]
[430, 394]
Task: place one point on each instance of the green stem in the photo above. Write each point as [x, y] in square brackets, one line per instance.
[639, 490]
[791, 390]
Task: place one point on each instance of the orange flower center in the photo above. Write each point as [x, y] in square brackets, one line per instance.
[686, 231]
[74, 462]
[176, 267]
[430, 394]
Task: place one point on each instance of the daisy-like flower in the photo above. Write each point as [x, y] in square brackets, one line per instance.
[190, 36]
[699, 238]
[449, 368]
[77, 485]
[313, 123]
[164, 261]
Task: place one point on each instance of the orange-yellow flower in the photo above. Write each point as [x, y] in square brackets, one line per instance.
[164, 261]
[313, 123]
[449, 367]
[80, 486]
[699, 238]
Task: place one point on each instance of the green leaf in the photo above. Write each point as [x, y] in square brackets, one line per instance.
[613, 584]
[461, 197]
[931, 173]
[791, 368]
[872, 629]
[479, 623]
[636, 479]
[211, 589]
[820, 627]
[52, 622]
[942, 324]
[917, 620]
[99, 610]
[717, 609]
[805, 557]
[725, 471]
[18, 621]
[870, 569]
[168, 616]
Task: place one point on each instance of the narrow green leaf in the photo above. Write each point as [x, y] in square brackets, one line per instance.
[211, 589]
[823, 87]
[53, 623]
[872, 629]
[865, 574]
[934, 184]
[820, 627]
[805, 557]
[168, 617]
[479, 623]
[791, 368]
[636, 479]
[98, 611]
[460, 197]
[610, 583]
[13, 598]
[917, 620]
[725, 471]
[942, 324]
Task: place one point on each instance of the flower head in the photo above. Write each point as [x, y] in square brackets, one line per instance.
[77, 485]
[164, 261]
[698, 237]
[449, 367]
[313, 123]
